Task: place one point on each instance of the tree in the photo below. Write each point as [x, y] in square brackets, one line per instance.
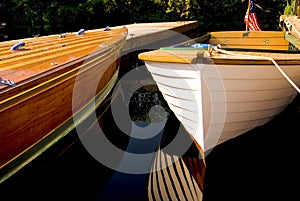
[295, 8]
[179, 8]
[30, 17]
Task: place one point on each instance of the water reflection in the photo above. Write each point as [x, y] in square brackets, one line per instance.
[67, 171]
[183, 180]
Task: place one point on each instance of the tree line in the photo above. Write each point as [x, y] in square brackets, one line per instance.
[25, 18]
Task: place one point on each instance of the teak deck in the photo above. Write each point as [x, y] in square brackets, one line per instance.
[45, 53]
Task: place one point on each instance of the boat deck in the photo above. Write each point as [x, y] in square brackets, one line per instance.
[44, 52]
[141, 35]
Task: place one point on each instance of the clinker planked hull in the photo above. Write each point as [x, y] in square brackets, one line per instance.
[224, 84]
[219, 102]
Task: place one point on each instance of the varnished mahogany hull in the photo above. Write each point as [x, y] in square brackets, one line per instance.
[35, 109]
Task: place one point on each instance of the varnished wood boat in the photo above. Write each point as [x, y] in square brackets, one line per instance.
[45, 82]
[224, 84]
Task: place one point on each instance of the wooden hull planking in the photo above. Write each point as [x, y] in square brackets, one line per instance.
[218, 96]
[239, 103]
[42, 101]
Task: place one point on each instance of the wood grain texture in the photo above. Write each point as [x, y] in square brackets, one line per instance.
[43, 98]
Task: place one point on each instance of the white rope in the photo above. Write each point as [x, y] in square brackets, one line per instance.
[218, 48]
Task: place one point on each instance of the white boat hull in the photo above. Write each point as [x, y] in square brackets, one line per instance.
[216, 102]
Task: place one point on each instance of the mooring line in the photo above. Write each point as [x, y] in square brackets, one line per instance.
[218, 49]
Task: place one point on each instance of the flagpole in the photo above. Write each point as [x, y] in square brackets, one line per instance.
[247, 13]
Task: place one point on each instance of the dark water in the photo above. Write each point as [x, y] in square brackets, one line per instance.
[259, 165]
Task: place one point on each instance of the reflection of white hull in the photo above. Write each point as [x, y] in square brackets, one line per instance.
[216, 102]
[183, 180]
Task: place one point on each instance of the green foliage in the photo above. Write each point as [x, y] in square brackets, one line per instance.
[288, 10]
[28, 17]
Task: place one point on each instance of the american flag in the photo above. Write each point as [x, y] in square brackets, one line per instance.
[251, 18]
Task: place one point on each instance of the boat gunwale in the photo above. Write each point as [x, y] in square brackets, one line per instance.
[183, 53]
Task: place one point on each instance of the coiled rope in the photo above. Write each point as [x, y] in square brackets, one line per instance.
[218, 49]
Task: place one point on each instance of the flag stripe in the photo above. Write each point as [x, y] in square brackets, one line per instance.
[251, 19]
[253, 24]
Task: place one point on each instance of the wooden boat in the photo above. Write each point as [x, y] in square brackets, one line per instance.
[224, 84]
[45, 82]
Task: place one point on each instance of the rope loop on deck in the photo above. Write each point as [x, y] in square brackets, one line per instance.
[218, 49]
